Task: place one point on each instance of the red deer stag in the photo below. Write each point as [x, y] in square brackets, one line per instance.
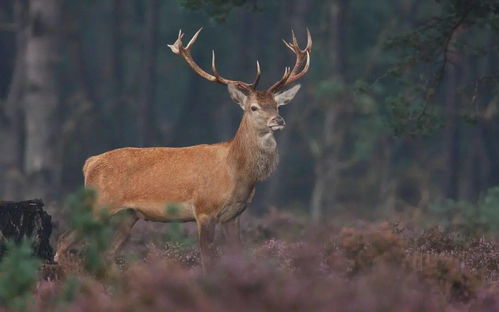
[209, 184]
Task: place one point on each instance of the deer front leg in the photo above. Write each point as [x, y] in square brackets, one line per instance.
[206, 232]
[231, 231]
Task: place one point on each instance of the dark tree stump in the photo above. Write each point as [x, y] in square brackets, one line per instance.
[26, 219]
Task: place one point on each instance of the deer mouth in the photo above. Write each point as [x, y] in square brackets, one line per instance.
[276, 127]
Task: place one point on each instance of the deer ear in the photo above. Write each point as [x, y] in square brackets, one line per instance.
[284, 97]
[237, 95]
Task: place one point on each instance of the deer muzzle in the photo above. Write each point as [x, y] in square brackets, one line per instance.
[277, 123]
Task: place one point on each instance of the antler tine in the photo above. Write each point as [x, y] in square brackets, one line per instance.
[178, 48]
[302, 56]
[295, 41]
[295, 47]
[213, 66]
[296, 76]
[257, 78]
[175, 47]
[238, 83]
[288, 45]
[309, 41]
[194, 38]
[281, 82]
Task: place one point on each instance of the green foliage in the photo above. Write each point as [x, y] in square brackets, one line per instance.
[425, 54]
[217, 9]
[70, 289]
[174, 232]
[18, 275]
[479, 218]
[330, 89]
[411, 116]
[94, 228]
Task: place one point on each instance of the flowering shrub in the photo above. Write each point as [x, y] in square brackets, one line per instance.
[288, 264]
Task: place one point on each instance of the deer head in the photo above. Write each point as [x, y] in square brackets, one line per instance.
[261, 107]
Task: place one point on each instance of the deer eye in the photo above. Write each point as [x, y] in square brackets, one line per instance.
[254, 107]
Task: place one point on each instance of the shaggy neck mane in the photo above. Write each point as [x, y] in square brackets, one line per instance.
[253, 154]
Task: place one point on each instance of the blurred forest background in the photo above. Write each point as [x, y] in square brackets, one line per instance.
[400, 108]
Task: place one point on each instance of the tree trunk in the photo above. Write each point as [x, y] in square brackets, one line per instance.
[327, 162]
[317, 197]
[148, 75]
[489, 137]
[489, 126]
[476, 177]
[84, 82]
[451, 137]
[42, 161]
[299, 10]
[11, 131]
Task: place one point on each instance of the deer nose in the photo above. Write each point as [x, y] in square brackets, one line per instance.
[278, 120]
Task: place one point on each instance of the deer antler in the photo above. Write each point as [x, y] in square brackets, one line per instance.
[179, 49]
[291, 76]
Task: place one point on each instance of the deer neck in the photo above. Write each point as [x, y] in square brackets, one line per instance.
[253, 152]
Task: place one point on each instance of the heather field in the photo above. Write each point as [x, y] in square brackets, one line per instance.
[287, 264]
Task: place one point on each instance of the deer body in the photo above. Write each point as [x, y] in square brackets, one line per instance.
[209, 184]
[213, 180]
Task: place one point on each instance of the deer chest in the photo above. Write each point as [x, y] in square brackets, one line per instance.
[236, 206]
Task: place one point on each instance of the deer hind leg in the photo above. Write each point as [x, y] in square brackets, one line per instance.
[70, 238]
[124, 222]
[67, 240]
[206, 232]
